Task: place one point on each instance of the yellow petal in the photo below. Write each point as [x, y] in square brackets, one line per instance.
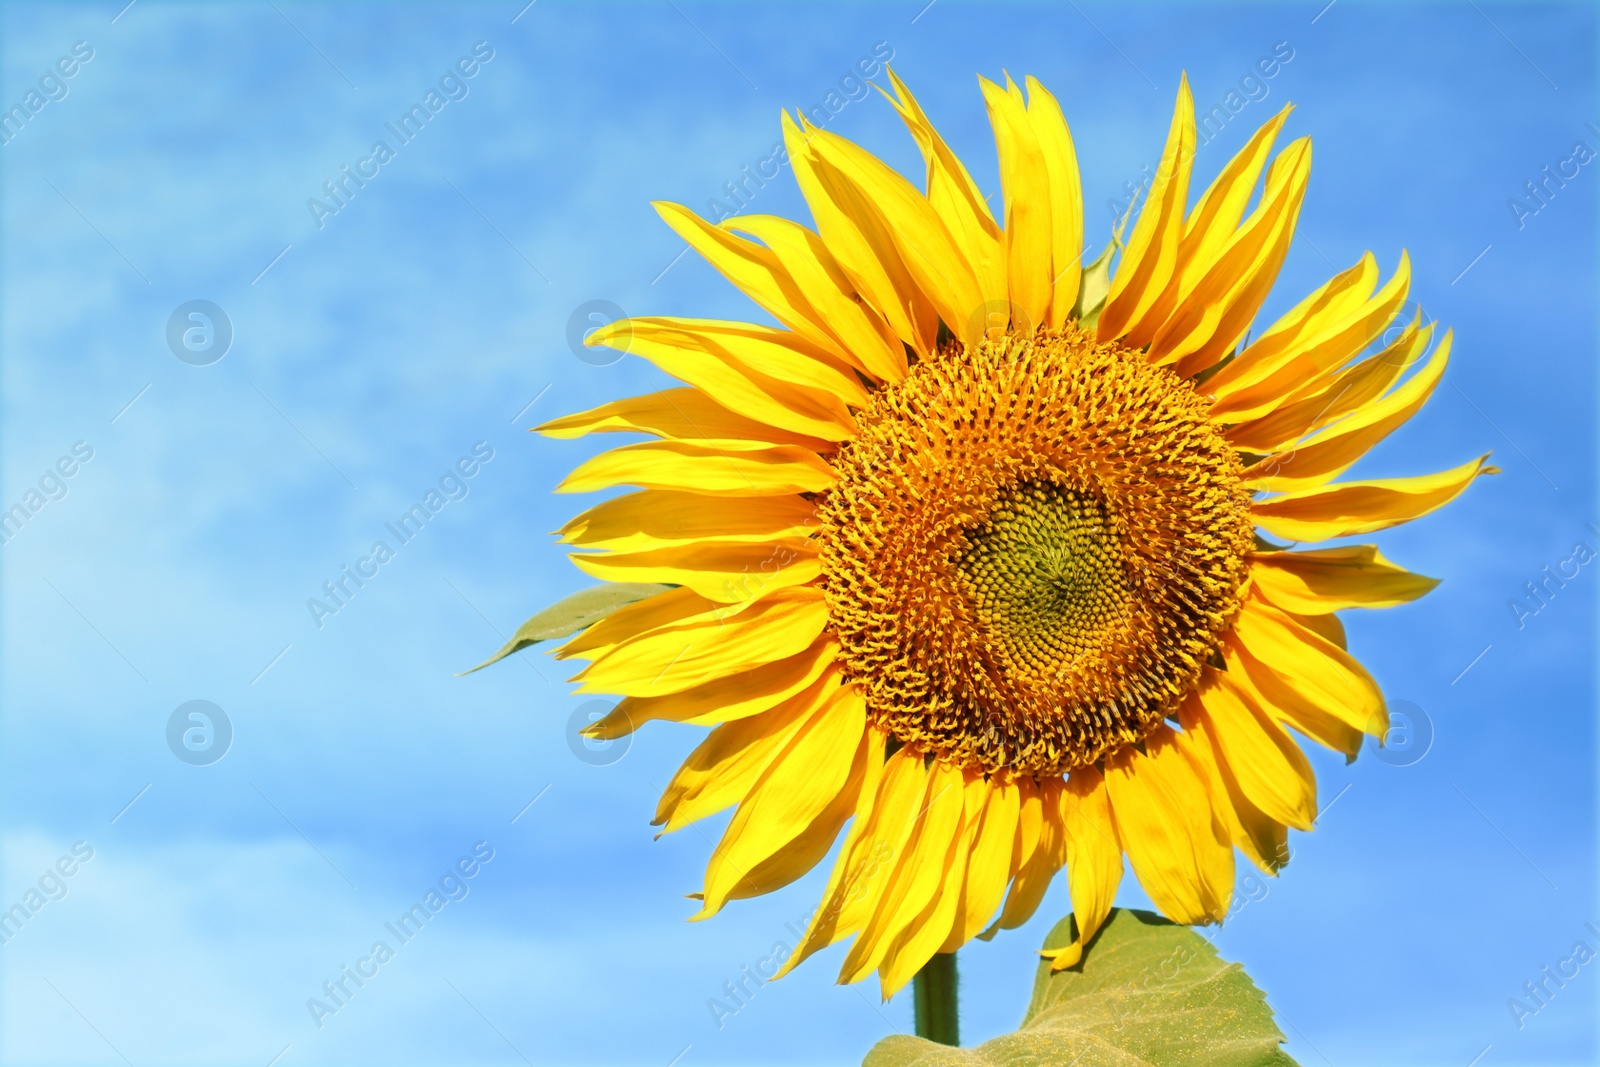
[923, 935]
[1210, 322]
[673, 658]
[723, 769]
[1329, 399]
[798, 785]
[956, 198]
[655, 518]
[663, 609]
[924, 847]
[1151, 256]
[720, 700]
[1025, 182]
[1333, 451]
[890, 798]
[859, 330]
[1289, 705]
[1269, 766]
[766, 374]
[729, 572]
[1314, 668]
[851, 234]
[814, 842]
[843, 908]
[755, 270]
[1332, 302]
[1165, 822]
[1066, 200]
[1030, 827]
[1347, 508]
[683, 413]
[1332, 579]
[1328, 626]
[1263, 840]
[894, 216]
[1094, 859]
[1211, 227]
[1044, 860]
[1284, 359]
[734, 468]
[988, 860]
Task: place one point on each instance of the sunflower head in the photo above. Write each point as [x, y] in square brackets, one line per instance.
[969, 560]
[1032, 548]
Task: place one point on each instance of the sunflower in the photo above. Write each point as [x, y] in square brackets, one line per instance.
[972, 555]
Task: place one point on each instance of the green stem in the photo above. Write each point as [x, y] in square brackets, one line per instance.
[934, 993]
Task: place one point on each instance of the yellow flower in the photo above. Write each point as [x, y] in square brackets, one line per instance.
[965, 555]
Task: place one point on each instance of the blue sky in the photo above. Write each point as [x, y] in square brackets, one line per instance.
[430, 313]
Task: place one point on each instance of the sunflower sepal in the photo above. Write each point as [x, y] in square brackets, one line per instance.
[1096, 284]
[567, 616]
[1146, 990]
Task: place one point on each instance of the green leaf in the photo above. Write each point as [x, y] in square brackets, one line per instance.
[1148, 992]
[578, 611]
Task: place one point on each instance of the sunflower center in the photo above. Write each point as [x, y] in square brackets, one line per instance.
[1044, 574]
[1032, 548]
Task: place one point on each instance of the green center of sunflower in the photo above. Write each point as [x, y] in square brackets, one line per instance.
[1044, 574]
[1032, 548]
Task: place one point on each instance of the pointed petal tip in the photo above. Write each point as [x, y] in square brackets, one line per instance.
[1070, 956]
